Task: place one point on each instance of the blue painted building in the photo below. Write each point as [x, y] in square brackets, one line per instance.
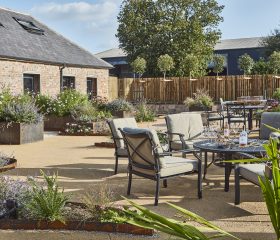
[231, 49]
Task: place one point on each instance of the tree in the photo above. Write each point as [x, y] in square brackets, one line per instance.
[218, 61]
[149, 29]
[245, 63]
[192, 66]
[260, 67]
[274, 62]
[272, 42]
[165, 63]
[139, 66]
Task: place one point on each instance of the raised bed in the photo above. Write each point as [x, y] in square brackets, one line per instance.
[105, 144]
[123, 114]
[16, 224]
[54, 123]
[21, 133]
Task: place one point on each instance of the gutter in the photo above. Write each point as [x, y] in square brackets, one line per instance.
[61, 76]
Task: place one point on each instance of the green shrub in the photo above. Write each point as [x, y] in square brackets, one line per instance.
[68, 100]
[276, 94]
[100, 103]
[201, 99]
[120, 104]
[45, 104]
[88, 113]
[47, 203]
[144, 113]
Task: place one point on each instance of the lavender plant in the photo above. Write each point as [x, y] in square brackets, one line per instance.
[20, 112]
[120, 104]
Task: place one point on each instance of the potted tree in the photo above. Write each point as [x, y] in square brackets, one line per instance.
[193, 66]
[245, 64]
[274, 63]
[218, 67]
[139, 67]
[165, 63]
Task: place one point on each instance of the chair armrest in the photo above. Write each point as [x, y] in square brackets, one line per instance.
[173, 133]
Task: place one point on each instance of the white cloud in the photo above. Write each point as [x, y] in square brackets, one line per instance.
[97, 20]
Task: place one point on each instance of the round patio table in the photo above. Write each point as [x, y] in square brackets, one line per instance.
[209, 146]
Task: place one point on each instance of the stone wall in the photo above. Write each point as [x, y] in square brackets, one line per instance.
[11, 75]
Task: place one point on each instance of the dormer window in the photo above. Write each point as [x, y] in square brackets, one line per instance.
[1, 25]
[29, 26]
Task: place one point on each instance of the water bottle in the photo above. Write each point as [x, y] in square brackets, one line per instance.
[226, 131]
[243, 138]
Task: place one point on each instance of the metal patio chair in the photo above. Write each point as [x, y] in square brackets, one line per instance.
[147, 159]
[114, 125]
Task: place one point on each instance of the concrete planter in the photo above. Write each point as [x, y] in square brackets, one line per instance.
[54, 123]
[123, 114]
[21, 133]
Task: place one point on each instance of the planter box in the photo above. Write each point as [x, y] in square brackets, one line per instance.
[100, 128]
[105, 144]
[21, 133]
[54, 123]
[123, 114]
[197, 108]
[24, 224]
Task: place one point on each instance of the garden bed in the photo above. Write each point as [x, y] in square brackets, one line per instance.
[54, 123]
[74, 224]
[105, 144]
[23, 224]
[21, 133]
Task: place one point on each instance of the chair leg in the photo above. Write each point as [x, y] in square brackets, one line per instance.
[129, 182]
[237, 185]
[157, 190]
[205, 164]
[116, 164]
[199, 180]
[165, 183]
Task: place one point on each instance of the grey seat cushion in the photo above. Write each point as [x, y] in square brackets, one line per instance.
[121, 123]
[175, 165]
[252, 171]
[170, 166]
[122, 152]
[269, 118]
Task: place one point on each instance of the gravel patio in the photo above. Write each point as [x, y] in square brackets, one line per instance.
[81, 165]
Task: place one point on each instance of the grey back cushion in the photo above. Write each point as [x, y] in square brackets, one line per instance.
[138, 138]
[269, 118]
[121, 123]
[189, 124]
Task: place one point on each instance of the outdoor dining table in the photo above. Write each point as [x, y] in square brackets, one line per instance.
[254, 147]
[250, 108]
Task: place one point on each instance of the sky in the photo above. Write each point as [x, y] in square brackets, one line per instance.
[92, 24]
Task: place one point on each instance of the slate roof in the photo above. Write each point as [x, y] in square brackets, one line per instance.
[51, 47]
[239, 43]
[111, 53]
[227, 44]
